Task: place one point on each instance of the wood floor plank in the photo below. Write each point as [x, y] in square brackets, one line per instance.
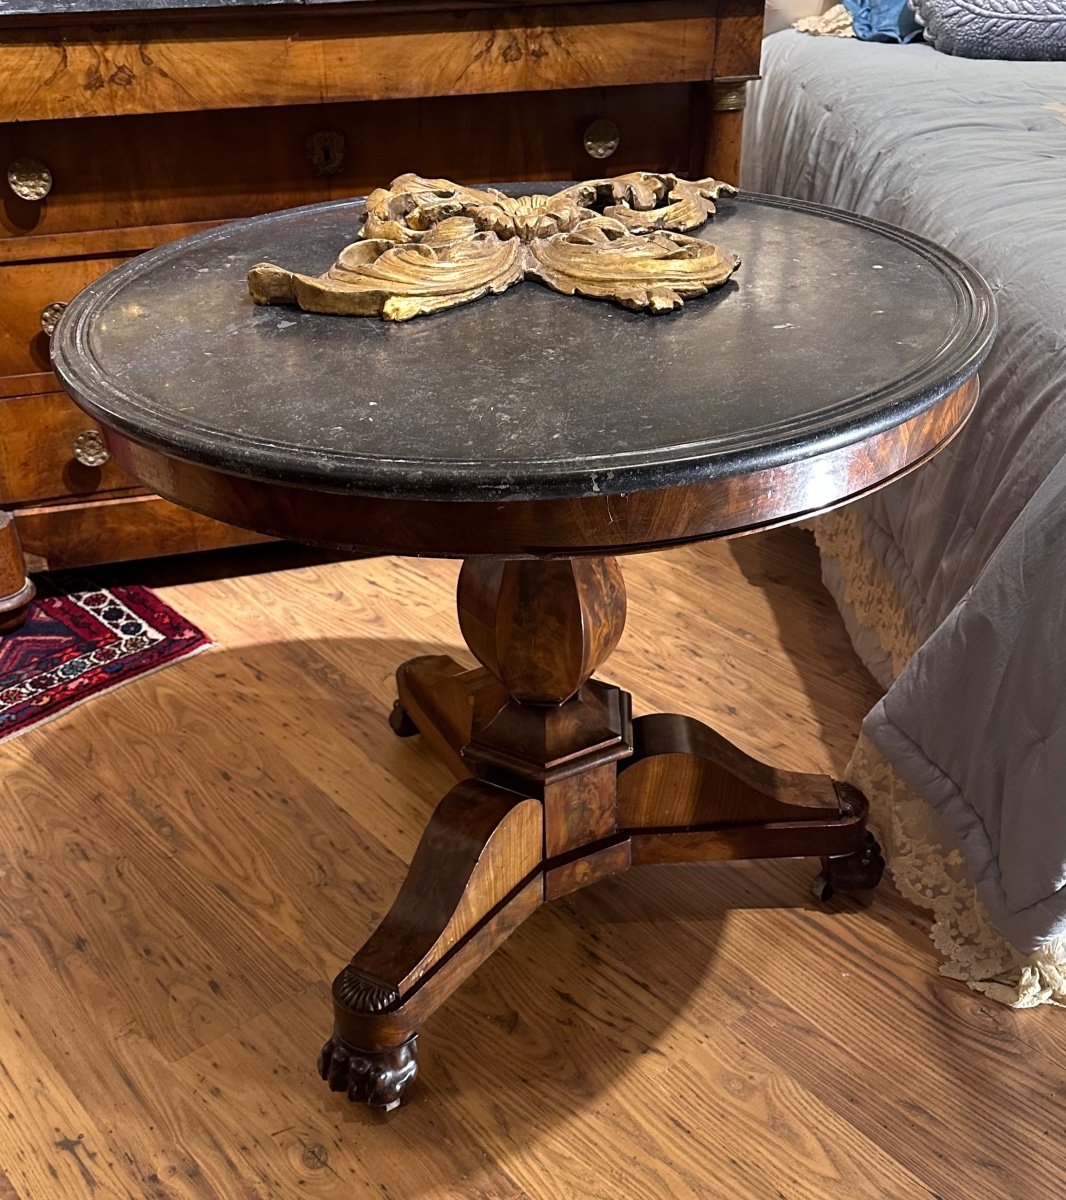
[301, 1139]
[916, 1115]
[51, 1145]
[618, 1032]
[836, 1001]
[89, 1114]
[127, 927]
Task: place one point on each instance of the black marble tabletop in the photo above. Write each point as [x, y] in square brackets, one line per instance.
[834, 328]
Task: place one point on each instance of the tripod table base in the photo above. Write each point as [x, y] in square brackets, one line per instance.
[558, 787]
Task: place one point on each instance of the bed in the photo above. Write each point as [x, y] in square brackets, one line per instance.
[951, 582]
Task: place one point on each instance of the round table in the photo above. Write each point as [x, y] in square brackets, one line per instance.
[538, 436]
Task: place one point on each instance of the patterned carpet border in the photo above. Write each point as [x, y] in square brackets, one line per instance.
[75, 647]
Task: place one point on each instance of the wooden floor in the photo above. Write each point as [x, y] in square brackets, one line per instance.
[186, 862]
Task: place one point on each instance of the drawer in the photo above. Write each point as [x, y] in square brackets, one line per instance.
[124, 172]
[527, 136]
[39, 452]
[120, 172]
[311, 52]
[26, 291]
[520, 136]
[105, 531]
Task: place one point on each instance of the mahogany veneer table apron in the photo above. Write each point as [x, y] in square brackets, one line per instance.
[537, 436]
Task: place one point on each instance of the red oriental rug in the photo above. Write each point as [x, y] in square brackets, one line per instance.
[75, 647]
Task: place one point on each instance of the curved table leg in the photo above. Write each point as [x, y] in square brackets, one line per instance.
[689, 794]
[474, 878]
[435, 697]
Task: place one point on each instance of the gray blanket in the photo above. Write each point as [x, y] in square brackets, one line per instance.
[971, 154]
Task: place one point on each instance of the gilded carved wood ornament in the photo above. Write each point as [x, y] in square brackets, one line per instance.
[428, 244]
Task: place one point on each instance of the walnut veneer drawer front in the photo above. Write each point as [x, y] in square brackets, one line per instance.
[49, 449]
[98, 174]
[524, 135]
[29, 293]
[274, 58]
[114, 530]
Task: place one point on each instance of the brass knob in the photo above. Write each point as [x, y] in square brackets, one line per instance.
[89, 449]
[29, 179]
[50, 316]
[601, 138]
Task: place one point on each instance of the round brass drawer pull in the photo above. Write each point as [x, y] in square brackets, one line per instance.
[601, 138]
[50, 316]
[89, 449]
[29, 179]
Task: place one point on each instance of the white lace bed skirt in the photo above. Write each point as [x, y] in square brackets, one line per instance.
[926, 870]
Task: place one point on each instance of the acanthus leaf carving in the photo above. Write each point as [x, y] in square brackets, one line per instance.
[429, 244]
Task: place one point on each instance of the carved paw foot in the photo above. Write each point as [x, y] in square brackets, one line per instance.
[400, 723]
[379, 1078]
[860, 871]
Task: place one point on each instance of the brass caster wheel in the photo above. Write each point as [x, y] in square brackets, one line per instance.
[859, 871]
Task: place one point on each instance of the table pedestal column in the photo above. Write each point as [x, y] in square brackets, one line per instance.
[559, 787]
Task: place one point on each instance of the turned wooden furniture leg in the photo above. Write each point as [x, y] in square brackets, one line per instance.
[16, 588]
[559, 787]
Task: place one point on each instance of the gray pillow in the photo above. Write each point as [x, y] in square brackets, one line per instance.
[1019, 29]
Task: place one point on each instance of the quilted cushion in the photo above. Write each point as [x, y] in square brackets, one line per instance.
[1017, 29]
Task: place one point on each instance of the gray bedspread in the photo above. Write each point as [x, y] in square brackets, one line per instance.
[971, 154]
